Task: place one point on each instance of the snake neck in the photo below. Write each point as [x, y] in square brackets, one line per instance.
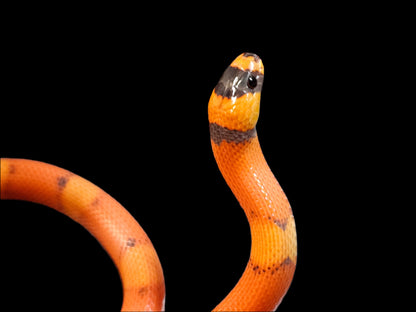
[248, 175]
[273, 253]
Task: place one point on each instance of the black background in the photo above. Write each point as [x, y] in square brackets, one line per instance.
[130, 115]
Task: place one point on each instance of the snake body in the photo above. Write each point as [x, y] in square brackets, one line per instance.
[233, 111]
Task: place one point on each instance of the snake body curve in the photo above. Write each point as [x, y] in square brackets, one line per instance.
[233, 111]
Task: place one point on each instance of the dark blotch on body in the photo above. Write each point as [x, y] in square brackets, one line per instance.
[272, 269]
[12, 169]
[281, 223]
[287, 261]
[95, 202]
[131, 242]
[62, 181]
[143, 291]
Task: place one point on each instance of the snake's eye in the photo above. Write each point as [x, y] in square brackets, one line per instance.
[251, 82]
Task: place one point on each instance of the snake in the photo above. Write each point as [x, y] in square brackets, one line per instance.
[233, 112]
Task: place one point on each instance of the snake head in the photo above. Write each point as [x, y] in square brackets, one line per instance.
[235, 101]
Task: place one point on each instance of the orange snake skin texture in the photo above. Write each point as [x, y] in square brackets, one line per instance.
[233, 111]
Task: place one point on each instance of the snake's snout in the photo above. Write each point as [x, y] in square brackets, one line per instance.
[249, 62]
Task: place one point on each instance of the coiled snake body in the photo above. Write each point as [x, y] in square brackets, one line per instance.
[233, 111]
